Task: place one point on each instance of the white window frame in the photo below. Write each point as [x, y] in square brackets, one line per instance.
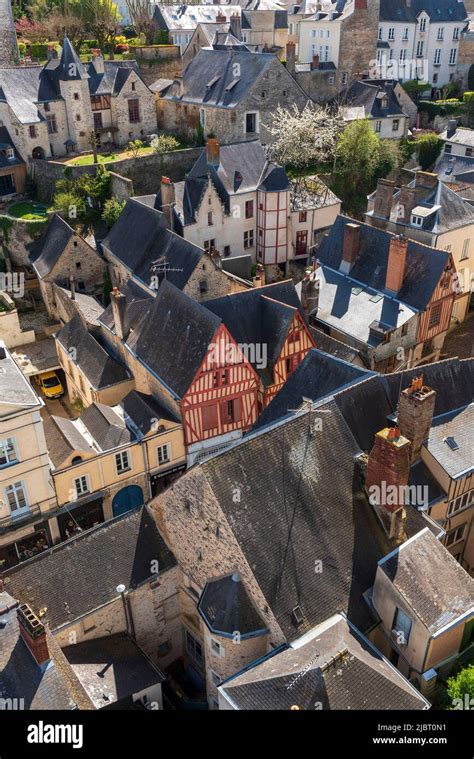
[4, 448]
[257, 122]
[453, 54]
[391, 33]
[408, 623]
[440, 35]
[120, 458]
[423, 25]
[417, 221]
[378, 126]
[81, 492]
[454, 532]
[406, 34]
[456, 33]
[14, 488]
[190, 650]
[465, 249]
[437, 56]
[216, 648]
[420, 46]
[460, 503]
[168, 457]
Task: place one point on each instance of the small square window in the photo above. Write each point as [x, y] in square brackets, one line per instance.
[216, 648]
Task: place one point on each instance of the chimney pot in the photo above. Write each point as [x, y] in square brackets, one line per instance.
[119, 309]
[291, 57]
[33, 633]
[168, 199]
[213, 151]
[415, 414]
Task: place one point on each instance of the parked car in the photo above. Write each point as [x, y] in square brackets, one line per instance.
[50, 385]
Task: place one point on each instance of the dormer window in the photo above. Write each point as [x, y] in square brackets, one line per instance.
[417, 221]
[10, 153]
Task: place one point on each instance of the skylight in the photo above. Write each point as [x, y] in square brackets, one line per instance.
[451, 442]
[356, 290]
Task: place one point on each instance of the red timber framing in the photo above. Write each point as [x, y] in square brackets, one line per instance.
[297, 344]
[223, 395]
[267, 249]
[436, 318]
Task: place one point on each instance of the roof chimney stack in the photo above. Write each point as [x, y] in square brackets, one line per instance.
[350, 247]
[315, 62]
[72, 283]
[406, 203]
[98, 60]
[119, 310]
[236, 25]
[168, 199]
[310, 293]
[415, 414]
[33, 633]
[397, 257]
[452, 128]
[388, 471]
[384, 198]
[213, 151]
[291, 57]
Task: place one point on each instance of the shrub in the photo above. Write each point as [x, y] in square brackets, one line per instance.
[113, 207]
[164, 143]
[22, 47]
[428, 148]
[461, 686]
[40, 49]
[70, 205]
[122, 48]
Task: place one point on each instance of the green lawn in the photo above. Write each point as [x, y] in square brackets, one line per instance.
[88, 160]
[28, 211]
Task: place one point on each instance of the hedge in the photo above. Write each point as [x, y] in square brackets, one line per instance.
[451, 107]
[40, 49]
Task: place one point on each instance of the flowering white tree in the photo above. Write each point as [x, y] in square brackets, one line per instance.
[305, 138]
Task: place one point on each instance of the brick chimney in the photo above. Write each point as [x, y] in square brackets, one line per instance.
[452, 128]
[235, 25]
[315, 62]
[426, 180]
[310, 293]
[350, 247]
[406, 199]
[397, 256]
[221, 18]
[119, 310]
[415, 414]
[98, 60]
[388, 471]
[168, 199]
[33, 633]
[213, 151]
[360, 5]
[291, 57]
[384, 198]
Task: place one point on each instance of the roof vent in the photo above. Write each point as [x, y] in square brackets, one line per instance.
[235, 577]
[297, 616]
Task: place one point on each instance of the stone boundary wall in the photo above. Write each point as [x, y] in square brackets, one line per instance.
[120, 187]
[145, 171]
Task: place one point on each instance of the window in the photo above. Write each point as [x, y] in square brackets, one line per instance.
[461, 502]
[435, 315]
[423, 25]
[402, 626]
[345, 77]
[76, 96]
[291, 364]
[220, 378]
[133, 86]
[134, 111]
[100, 102]
[250, 123]
[46, 107]
[380, 35]
[405, 34]
[465, 249]
[303, 215]
[435, 78]
[452, 56]
[98, 123]
[441, 33]
[194, 648]
[448, 148]
[378, 126]
[203, 286]
[230, 411]
[417, 221]
[248, 239]
[454, 536]
[301, 243]
[226, 251]
[209, 219]
[81, 485]
[209, 417]
[391, 33]
[208, 244]
[395, 125]
[403, 55]
[249, 209]
[15, 495]
[437, 56]
[32, 131]
[469, 152]
[163, 453]
[78, 116]
[456, 33]
[216, 648]
[8, 454]
[404, 329]
[51, 122]
[122, 462]
[216, 679]
[419, 48]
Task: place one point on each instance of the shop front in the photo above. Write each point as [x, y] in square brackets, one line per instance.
[162, 480]
[25, 547]
[80, 516]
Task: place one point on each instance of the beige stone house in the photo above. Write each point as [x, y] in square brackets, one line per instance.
[54, 110]
[63, 257]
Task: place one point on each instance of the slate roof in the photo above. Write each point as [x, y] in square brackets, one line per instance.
[173, 337]
[47, 250]
[118, 551]
[424, 265]
[7, 142]
[455, 168]
[68, 67]
[111, 669]
[226, 608]
[16, 393]
[185, 17]
[437, 10]
[430, 580]
[142, 411]
[112, 81]
[318, 375]
[337, 668]
[442, 209]
[260, 316]
[20, 676]
[369, 96]
[217, 66]
[334, 347]
[100, 368]
[458, 426]
[462, 136]
[152, 242]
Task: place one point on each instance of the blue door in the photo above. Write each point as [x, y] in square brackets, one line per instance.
[127, 499]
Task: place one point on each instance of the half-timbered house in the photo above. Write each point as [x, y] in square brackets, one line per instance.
[269, 324]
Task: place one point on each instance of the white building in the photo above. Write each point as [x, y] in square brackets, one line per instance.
[420, 39]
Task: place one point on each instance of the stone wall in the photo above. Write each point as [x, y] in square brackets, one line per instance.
[358, 43]
[121, 187]
[144, 171]
[158, 61]
[16, 238]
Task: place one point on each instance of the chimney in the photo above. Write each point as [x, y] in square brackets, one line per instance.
[350, 247]
[452, 128]
[213, 151]
[360, 5]
[426, 179]
[310, 293]
[315, 63]
[415, 414]
[236, 25]
[33, 633]
[52, 53]
[406, 202]
[168, 199]
[72, 283]
[119, 310]
[221, 18]
[397, 256]
[291, 57]
[260, 272]
[98, 60]
[388, 471]
[384, 198]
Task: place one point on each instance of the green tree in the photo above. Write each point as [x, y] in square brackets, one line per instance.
[71, 206]
[164, 143]
[113, 207]
[428, 148]
[461, 688]
[134, 146]
[102, 18]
